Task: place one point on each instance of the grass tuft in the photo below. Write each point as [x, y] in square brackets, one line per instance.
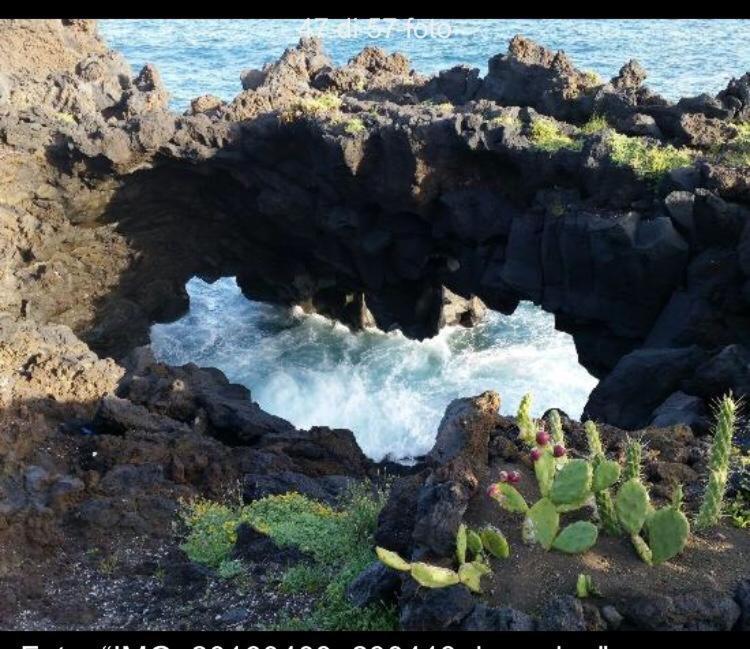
[546, 135]
[648, 160]
[596, 124]
[354, 126]
[736, 152]
[327, 103]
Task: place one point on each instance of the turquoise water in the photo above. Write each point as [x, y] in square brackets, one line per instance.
[683, 57]
[389, 390]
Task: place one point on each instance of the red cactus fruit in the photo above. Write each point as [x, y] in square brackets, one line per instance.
[542, 438]
[535, 454]
[514, 477]
[559, 450]
[503, 477]
[492, 490]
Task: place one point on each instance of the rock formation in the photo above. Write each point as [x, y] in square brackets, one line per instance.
[365, 192]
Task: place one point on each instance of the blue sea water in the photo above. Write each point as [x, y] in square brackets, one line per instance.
[392, 391]
[683, 57]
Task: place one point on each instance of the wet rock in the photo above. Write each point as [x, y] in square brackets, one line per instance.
[376, 583]
[255, 486]
[486, 618]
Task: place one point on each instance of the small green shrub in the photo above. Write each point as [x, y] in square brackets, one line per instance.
[354, 126]
[327, 103]
[736, 152]
[592, 78]
[596, 124]
[230, 568]
[339, 541]
[648, 160]
[506, 120]
[546, 135]
[304, 578]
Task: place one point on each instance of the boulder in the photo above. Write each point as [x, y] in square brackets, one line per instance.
[688, 612]
[376, 583]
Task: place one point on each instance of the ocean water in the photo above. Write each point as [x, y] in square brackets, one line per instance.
[392, 391]
[683, 57]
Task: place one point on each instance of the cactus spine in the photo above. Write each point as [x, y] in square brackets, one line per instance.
[605, 473]
[710, 510]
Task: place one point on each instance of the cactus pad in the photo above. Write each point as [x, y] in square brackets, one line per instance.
[641, 547]
[545, 468]
[572, 483]
[473, 542]
[632, 505]
[542, 523]
[461, 544]
[495, 543]
[668, 531]
[576, 537]
[392, 559]
[585, 586]
[433, 576]
[606, 473]
[509, 498]
[470, 574]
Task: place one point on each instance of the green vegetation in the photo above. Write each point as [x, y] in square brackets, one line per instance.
[718, 467]
[737, 151]
[354, 126]
[338, 540]
[592, 78]
[506, 120]
[546, 135]
[650, 161]
[596, 124]
[327, 103]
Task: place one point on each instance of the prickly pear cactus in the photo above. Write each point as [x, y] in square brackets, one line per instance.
[576, 537]
[718, 466]
[509, 498]
[494, 542]
[556, 429]
[473, 543]
[606, 473]
[433, 576]
[572, 483]
[592, 437]
[633, 460]
[668, 531]
[526, 428]
[461, 544]
[542, 523]
[545, 469]
[392, 559]
[642, 549]
[470, 575]
[585, 586]
[632, 505]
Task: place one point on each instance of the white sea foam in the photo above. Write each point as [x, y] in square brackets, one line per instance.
[390, 390]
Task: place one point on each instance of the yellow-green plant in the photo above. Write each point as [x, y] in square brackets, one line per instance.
[595, 124]
[606, 474]
[546, 135]
[354, 126]
[648, 160]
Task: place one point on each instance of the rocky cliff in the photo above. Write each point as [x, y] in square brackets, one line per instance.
[365, 192]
